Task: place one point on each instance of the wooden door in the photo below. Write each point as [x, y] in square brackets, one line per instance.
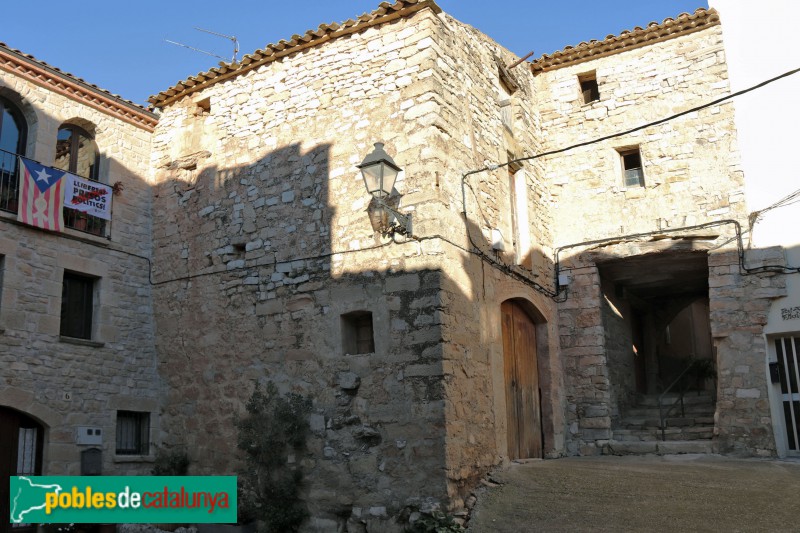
[522, 383]
[21, 440]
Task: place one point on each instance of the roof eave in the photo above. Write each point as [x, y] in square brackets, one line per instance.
[385, 13]
[25, 66]
[670, 28]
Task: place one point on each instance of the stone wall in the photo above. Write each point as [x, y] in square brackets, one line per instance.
[473, 135]
[263, 239]
[67, 384]
[740, 306]
[617, 316]
[691, 164]
[691, 176]
[582, 345]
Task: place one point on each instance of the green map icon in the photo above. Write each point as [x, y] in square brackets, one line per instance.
[28, 497]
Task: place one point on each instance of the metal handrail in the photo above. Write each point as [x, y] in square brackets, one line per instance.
[662, 415]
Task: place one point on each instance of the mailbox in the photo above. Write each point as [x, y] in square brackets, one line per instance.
[91, 462]
[774, 372]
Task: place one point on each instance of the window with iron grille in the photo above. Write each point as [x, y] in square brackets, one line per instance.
[13, 130]
[133, 433]
[77, 305]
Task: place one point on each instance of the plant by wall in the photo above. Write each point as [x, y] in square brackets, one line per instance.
[435, 522]
[274, 428]
[171, 463]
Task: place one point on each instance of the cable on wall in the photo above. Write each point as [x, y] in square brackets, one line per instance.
[554, 293]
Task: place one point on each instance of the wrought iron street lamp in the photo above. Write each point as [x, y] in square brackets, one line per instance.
[380, 172]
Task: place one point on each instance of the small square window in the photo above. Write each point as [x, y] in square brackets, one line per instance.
[589, 88]
[357, 333]
[77, 305]
[632, 169]
[133, 433]
[203, 107]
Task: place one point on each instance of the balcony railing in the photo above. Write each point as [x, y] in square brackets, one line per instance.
[9, 194]
[9, 181]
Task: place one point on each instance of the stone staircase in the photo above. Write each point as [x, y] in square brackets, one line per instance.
[639, 432]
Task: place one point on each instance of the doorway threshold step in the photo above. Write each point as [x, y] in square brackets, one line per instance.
[672, 447]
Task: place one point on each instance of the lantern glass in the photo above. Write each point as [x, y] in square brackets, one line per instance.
[379, 172]
[373, 178]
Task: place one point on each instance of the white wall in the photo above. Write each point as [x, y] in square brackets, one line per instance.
[760, 43]
[758, 40]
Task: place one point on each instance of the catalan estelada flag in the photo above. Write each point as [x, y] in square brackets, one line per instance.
[41, 196]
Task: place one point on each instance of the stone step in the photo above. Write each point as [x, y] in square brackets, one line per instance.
[616, 447]
[704, 431]
[653, 412]
[634, 435]
[691, 398]
[644, 423]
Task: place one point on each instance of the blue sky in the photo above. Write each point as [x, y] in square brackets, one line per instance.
[120, 46]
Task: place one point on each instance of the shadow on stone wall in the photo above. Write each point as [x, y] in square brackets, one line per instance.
[245, 294]
[60, 385]
[477, 352]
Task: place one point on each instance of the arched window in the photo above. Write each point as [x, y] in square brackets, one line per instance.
[13, 132]
[77, 153]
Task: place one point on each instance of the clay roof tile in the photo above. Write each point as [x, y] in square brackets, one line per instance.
[385, 11]
[39, 71]
[627, 39]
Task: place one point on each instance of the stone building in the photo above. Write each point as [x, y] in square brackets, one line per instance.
[77, 357]
[647, 224]
[576, 245]
[262, 224]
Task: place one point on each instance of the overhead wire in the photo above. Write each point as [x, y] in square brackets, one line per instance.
[554, 294]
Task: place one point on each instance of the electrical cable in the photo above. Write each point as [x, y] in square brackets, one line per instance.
[637, 128]
[554, 294]
[791, 198]
[503, 267]
[199, 274]
[274, 263]
[486, 258]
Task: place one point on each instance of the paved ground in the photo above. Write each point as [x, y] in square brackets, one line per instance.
[683, 493]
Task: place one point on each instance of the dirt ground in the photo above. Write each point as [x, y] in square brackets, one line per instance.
[642, 493]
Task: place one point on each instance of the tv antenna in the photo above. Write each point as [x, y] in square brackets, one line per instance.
[229, 37]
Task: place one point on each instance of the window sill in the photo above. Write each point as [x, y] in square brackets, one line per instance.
[134, 459]
[81, 342]
[69, 233]
[86, 237]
